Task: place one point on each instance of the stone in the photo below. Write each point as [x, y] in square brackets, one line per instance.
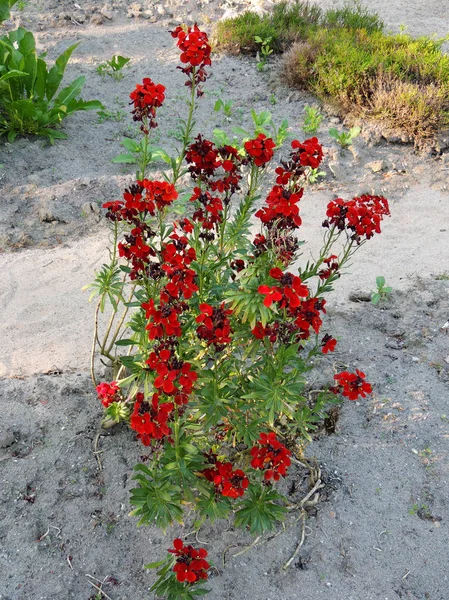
[51, 211]
[377, 166]
[6, 439]
[96, 20]
[161, 10]
[355, 153]
[79, 17]
[336, 170]
[334, 121]
[442, 141]
[107, 14]
[34, 179]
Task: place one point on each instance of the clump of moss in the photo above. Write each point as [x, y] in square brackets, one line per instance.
[345, 58]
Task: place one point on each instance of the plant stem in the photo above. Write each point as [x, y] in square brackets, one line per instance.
[187, 132]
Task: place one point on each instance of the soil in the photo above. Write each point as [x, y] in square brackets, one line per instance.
[380, 530]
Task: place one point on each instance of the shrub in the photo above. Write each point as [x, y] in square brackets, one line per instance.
[220, 326]
[29, 99]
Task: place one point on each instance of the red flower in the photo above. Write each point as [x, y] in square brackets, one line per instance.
[272, 294]
[289, 295]
[150, 419]
[271, 456]
[227, 482]
[328, 344]
[362, 215]
[195, 54]
[160, 193]
[261, 149]
[281, 210]
[332, 267]
[309, 152]
[190, 565]
[146, 98]
[352, 385]
[216, 327]
[108, 393]
[203, 158]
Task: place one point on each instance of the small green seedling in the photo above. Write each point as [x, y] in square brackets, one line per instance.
[113, 67]
[226, 107]
[314, 174]
[382, 292]
[312, 119]
[264, 52]
[344, 138]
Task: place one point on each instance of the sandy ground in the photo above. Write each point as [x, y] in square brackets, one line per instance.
[381, 530]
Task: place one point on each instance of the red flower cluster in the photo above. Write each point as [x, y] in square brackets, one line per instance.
[134, 209]
[164, 320]
[159, 193]
[195, 53]
[308, 316]
[174, 377]
[177, 256]
[218, 169]
[328, 344]
[136, 250]
[108, 393]
[215, 326]
[190, 565]
[282, 211]
[289, 295]
[150, 419]
[331, 267]
[146, 98]
[227, 482]
[308, 153]
[361, 215]
[293, 297]
[270, 455]
[280, 215]
[305, 154]
[203, 158]
[209, 213]
[351, 385]
[275, 331]
[260, 150]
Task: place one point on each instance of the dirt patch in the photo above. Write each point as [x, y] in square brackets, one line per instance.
[381, 533]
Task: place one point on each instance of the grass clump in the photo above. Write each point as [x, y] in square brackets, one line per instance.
[287, 22]
[343, 56]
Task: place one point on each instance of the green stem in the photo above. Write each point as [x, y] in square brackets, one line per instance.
[187, 132]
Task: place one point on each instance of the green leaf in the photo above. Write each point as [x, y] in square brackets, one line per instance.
[127, 342]
[41, 79]
[70, 92]
[56, 73]
[11, 74]
[131, 145]
[124, 158]
[375, 298]
[380, 281]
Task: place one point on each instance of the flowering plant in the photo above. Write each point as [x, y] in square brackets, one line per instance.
[225, 324]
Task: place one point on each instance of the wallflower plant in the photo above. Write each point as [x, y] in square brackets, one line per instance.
[213, 327]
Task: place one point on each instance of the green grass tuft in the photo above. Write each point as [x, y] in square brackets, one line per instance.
[343, 56]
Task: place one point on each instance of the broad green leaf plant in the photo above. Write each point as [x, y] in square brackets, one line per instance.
[31, 101]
